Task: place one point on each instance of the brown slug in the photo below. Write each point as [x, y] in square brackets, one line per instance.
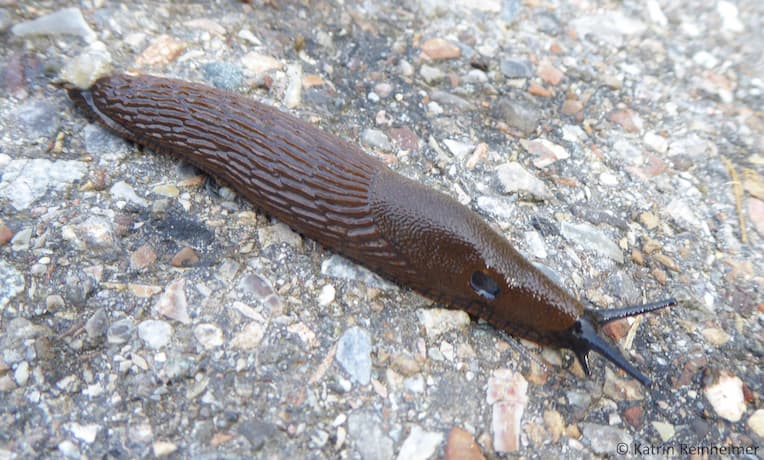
[331, 191]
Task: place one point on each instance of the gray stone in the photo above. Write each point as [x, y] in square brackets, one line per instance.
[97, 324]
[365, 430]
[517, 114]
[36, 119]
[256, 432]
[376, 139]
[256, 285]
[502, 208]
[516, 68]
[603, 439]
[513, 178]
[105, 146]
[120, 331]
[124, 191]
[338, 267]
[420, 444]
[354, 354]
[68, 21]
[592, 239]
[25, 181]
[155, 333]
[5, 19]
[223, 75]
[610, 27]
[431, 75]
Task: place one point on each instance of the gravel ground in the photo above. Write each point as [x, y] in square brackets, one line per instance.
[145, 310]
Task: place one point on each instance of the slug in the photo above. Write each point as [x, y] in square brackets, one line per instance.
[331, 191]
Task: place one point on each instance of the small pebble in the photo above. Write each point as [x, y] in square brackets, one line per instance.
[458, 148]
[726, 397]
[223, 75]
[26, 180]
[172, 303]
[21, 374]
[278, 233]
[163, 448]
[6, 234]
[665, 430]
[249, 337]
[438, 321]
[438, 49]
[354, 354]
[420, 444]
[338, 267]
[97, 233]
[516, 68]
[462, 446]
[123, 191]
[210, 336]
[513, 178]
[142, 257]
[507, 393]
[431, 75]
[603, 439]
[119, 332]
[756, 422]
[591, 238]
[161, 51]
[549, 73]
[518, 114]
[85, 68]
[554, 424]
[326, 296]
[97, 324]
[366, 431]
[730, 19]
[185, 258]
[628, 119]
[571, 107]
[168, 190]
[633, 416]
[376, 139]
[21, 240]
[544, 151]
[293, 92]
[155, 333]
[255, 63]
[68, 21]
[611, 27]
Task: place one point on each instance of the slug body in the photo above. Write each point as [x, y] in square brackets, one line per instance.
[333, 192]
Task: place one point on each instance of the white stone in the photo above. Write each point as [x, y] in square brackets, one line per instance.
[420, 444]
[437, 321]
[68, 21]
[26, 180]
[326, 296]
[514, 178]
[86, 433]
[155, 333]
[726, 397]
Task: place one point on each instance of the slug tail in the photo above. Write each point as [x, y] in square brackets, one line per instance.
[83, 100]
[584, 336]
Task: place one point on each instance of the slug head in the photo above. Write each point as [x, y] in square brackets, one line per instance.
[584, 336]
[442, 249]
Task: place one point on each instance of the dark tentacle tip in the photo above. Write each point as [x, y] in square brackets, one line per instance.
[584, 336]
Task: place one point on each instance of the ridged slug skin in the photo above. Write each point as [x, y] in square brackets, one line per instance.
[331, 191]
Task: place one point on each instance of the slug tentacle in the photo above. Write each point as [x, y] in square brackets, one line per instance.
[604, 316]
[584, 336]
